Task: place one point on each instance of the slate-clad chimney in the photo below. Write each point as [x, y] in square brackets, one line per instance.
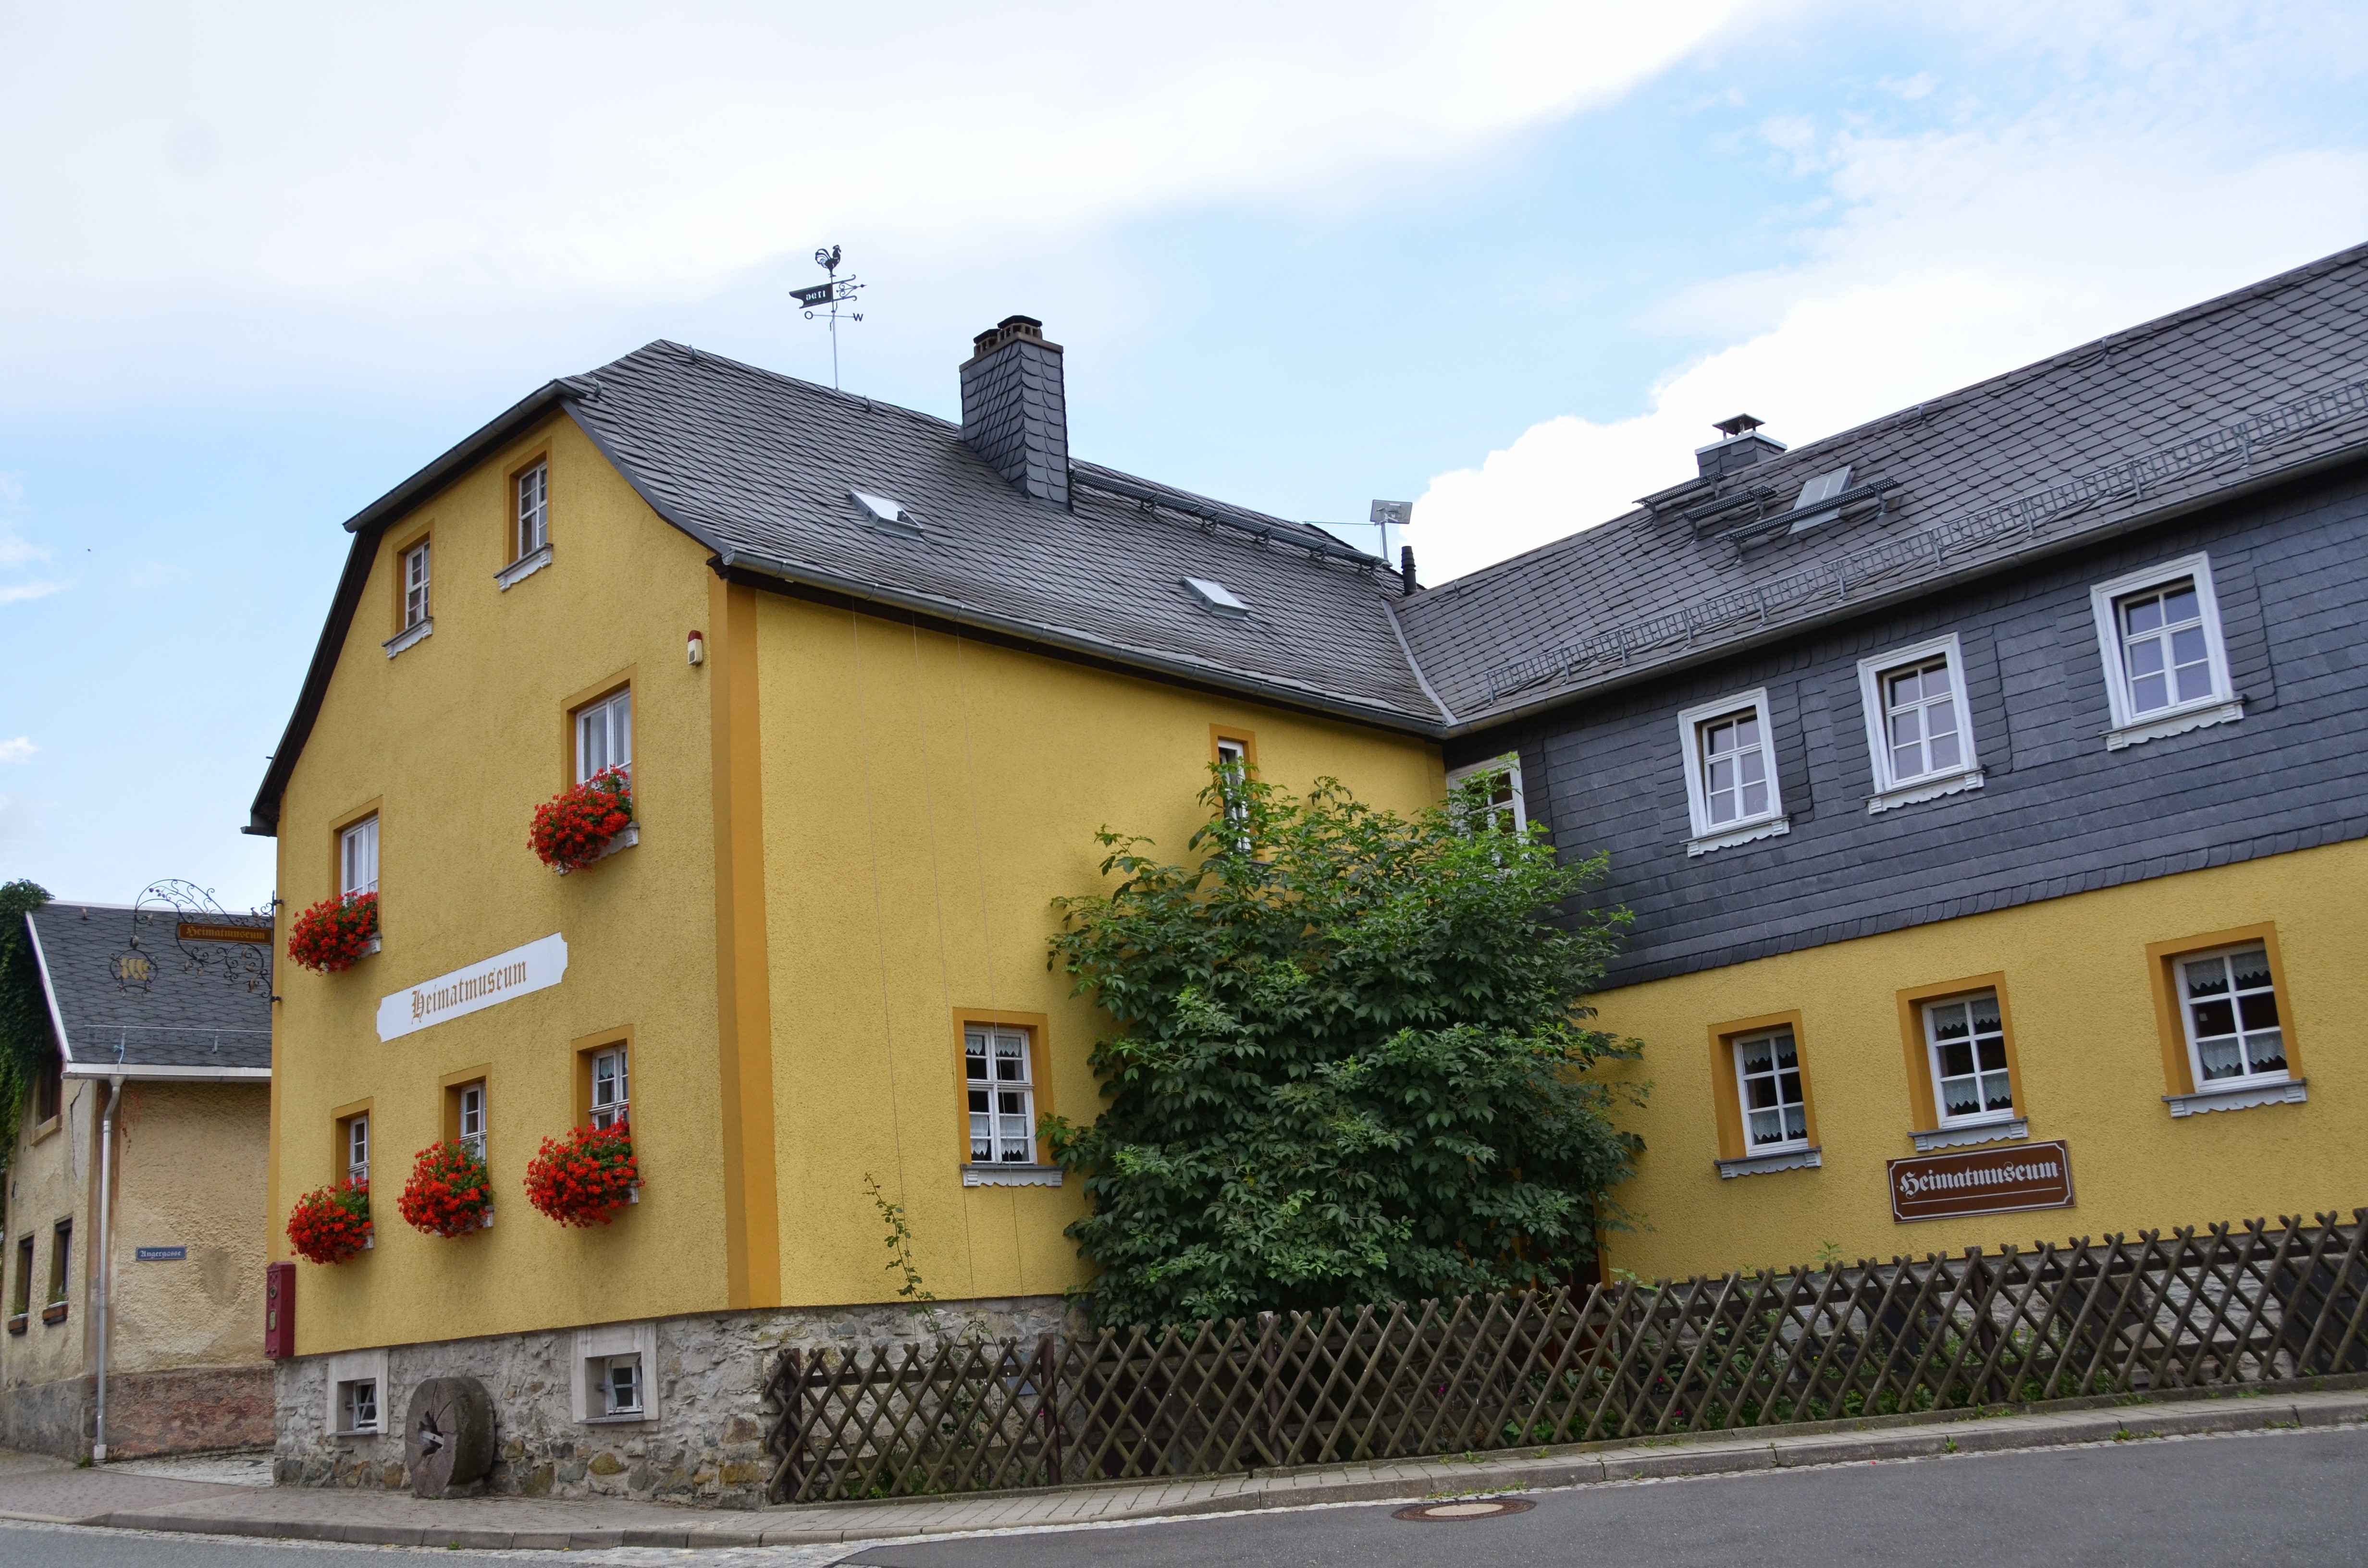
[1014, 412]
[1742, 446]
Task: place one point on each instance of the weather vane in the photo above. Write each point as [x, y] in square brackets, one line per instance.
[835, 293]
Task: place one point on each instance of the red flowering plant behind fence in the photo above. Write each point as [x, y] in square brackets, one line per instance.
[448, 1194]
[329, 1224]
[335, 932]
[585, 1177]
[574, 827]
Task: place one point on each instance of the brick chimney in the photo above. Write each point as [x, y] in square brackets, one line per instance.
[1014, 413]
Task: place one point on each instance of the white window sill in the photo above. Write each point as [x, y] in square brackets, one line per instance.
[356, 1436]
[634, 1418]
[2002, 1129]
[525, 566]
[1011, 1175]
[1924, 790]
[1774, 1160]
[1741, 832]
[410, 635]
[2176, 723]
[625, 839]
[2240, 1096]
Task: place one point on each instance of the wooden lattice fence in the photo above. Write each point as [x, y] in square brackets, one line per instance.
[2223, 1307]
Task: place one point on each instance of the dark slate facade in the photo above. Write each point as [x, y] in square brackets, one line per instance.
[2058, 813]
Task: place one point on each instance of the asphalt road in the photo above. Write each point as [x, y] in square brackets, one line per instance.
[2296, 1500]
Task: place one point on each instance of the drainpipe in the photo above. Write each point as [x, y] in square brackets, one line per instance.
[105, 1255]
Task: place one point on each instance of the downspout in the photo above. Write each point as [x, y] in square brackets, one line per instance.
[105, 1255]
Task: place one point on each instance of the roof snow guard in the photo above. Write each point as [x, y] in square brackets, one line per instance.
[2026, 515]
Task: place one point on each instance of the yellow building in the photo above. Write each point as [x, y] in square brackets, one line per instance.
[135, 1216]
[876, 681]
[1986, 784]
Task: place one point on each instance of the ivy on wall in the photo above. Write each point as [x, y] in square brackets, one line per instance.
[24, 1017]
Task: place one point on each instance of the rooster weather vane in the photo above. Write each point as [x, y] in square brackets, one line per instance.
[836, 291]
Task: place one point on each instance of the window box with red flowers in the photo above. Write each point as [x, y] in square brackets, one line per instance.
[585, 1177]
[330, 1224]
[447, 1194]
[578, 826]
[334, 933]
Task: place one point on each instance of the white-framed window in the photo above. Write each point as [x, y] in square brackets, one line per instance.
[1234, 770]
[358, 1393]
[2165, 664]
[415, 585]
[1918, 728]
[611, 1095]
[357, 1141]
[472, 1119]
[1731, 795]
[604, 735]
[1965, 1039]
[2228, 1005]
[613, 1377]
[358, 859]
[1501, 805]
[1767, 1080]
[533, 510]
[1002, 1097]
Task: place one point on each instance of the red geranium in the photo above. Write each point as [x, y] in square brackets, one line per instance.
[335, 932]
[572, 827]
[329, 1224]
[447, 1194]
[585, 1177]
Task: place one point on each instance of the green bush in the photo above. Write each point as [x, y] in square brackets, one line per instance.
[1351, 1063]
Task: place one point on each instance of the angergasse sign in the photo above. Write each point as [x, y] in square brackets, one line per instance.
[501, 978]
[1982, 1181]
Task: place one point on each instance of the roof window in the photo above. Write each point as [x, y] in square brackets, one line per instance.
[889, 517]
[1216, 599]
[1812, 505]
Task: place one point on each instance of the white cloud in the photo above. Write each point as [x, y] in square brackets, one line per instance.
[390, 164]
[1954, 255]
[21, 749]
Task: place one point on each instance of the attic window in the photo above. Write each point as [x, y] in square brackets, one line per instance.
[887, 516]
[1217, 599]
[1811, 505]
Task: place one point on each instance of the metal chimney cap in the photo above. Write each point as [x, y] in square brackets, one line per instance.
[1737, 424]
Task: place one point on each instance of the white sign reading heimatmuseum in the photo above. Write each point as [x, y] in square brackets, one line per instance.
[480, 985]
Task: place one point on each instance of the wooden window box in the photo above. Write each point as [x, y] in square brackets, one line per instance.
[17, 1322]
[54, 1312]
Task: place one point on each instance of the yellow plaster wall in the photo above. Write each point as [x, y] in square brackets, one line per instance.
[925, 800]
[2091, 1068]
[462, 736]
[189, 1158]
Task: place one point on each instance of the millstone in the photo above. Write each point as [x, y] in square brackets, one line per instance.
[448, 1436]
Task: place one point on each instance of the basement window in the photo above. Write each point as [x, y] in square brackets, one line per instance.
[887, 516]
[358, 1393]
[1217, 599]
[613, 1369]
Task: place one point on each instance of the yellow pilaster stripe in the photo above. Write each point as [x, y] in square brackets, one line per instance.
[744, 1003]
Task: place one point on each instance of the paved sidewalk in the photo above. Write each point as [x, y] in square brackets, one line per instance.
[53, 1492]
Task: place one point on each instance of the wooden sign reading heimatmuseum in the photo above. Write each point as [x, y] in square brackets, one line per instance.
[1982, 1181]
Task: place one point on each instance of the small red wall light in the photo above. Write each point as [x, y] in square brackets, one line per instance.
[698, 649]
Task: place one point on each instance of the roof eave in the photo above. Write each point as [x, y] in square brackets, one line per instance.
[169, 1075]
[48, 992]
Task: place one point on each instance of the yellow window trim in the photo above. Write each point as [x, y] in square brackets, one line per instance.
[452, 1084]
[1921, 1105]
[1039, 1068]
[1245, 739]
[2177, 1072]
[583, 1047]
[1727, 1092]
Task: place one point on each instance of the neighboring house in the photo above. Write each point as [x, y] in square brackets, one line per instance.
[171, 1063]
[1985, 777]
[877, 680]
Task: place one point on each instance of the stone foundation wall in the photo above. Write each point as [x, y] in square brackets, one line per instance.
[48, 1418]
[197, 1411]
[705, 1447]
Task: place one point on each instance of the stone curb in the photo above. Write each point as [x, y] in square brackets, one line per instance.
[1723, 1456]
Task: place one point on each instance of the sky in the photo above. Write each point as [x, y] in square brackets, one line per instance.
[1505, 259]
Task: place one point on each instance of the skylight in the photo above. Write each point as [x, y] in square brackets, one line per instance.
[1811, 508]
[1216, 598]
[883, 513]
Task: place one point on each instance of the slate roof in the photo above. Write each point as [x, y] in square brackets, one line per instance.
[1651, 590]
[189, 1022]
[757, 467]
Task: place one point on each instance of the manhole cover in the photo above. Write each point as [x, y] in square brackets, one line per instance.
[1470, 1508]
